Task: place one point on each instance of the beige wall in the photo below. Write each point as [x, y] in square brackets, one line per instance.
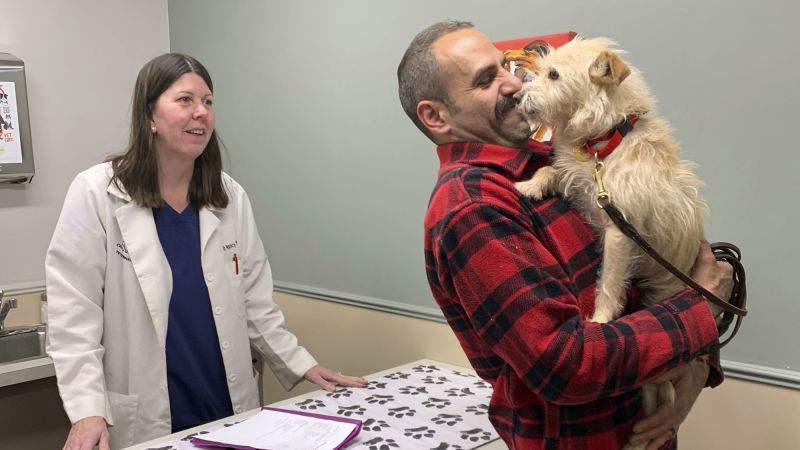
[738, 415]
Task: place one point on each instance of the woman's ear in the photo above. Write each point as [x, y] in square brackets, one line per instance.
[433, 114]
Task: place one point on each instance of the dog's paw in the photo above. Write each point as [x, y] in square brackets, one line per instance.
[541, 185]
[531, 189]
[601, 317]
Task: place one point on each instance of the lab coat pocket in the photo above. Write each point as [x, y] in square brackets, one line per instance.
[124, 412]
[237, 292]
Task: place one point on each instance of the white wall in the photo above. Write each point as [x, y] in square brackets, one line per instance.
[306, 101]
[81, 59]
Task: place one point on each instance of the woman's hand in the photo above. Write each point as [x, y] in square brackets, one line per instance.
[86, 433]
[328, 379]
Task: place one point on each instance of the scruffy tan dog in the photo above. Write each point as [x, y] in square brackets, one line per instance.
[599, 105]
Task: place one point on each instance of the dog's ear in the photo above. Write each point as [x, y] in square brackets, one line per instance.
[608, 69]
[538, 46]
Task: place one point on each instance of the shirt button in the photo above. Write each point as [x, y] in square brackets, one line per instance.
[210, 277]
[225, 345]
[238, 409]
[218, 310]
[233, 377]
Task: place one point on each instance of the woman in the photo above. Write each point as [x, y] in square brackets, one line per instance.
[157, 280]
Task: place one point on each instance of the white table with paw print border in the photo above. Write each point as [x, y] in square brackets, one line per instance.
[424, 404]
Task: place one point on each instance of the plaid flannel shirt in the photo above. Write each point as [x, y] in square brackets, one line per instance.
[515, 280]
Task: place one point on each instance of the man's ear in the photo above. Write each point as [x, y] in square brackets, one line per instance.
[433, 115]
[608, 69]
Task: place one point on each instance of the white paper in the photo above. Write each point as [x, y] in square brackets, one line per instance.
[275, 430]
[10, 146]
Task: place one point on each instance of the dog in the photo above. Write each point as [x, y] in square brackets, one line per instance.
[592, 98]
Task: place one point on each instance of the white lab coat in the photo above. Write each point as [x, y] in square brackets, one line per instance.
[109, 286]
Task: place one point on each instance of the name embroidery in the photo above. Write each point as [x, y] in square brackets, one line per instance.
[122, 251]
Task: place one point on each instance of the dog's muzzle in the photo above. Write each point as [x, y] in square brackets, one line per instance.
[525, 103]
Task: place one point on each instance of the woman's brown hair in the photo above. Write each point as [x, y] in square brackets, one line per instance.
[137, 169]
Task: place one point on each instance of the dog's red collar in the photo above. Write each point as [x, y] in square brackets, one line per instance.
[612, 138]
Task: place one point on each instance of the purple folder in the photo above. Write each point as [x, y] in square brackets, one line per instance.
[198, 441]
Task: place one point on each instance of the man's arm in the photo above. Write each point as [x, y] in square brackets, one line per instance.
[688, 380]
[517, 297]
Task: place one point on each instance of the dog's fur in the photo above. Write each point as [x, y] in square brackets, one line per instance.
[583, 90]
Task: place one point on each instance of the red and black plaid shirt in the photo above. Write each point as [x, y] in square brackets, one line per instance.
[515, 280]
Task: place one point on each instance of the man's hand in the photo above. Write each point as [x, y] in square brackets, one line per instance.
[328, 379]
[661, 427]
[715, 276]
[86, 433]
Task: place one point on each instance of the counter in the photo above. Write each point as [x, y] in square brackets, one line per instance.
[27, 370]
[435, 383]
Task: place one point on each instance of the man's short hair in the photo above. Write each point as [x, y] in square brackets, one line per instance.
[419, 74]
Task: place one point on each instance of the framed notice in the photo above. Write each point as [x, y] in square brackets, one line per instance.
[10, 145]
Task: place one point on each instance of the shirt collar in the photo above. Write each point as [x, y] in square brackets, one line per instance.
[517, 164]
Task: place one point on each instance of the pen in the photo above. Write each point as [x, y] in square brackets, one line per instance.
[236, 263]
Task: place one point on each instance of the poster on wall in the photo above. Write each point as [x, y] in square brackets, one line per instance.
[10, 147]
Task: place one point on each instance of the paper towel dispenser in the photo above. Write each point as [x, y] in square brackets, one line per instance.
[16, 152]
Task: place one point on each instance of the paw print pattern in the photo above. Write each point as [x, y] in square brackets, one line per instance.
[398, 376]
[379, 399]
[372, 385]
[374, 425]
[480, 384]
[464, 374]
[225, 425]
[437, 403]
[425, 368]
[446, 446]
[478, 410]
[419, 432]
[379, 443]
[413, 390]
[340, 393]
[435, 380]
[456, 392]
[351, 410]
[475, 435]
[402, 411]
[189, 437]
[310, 404]
[449, 419]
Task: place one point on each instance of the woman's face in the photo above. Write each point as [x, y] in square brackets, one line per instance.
[183, 119]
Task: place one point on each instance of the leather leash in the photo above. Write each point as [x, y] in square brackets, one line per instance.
[732, 310]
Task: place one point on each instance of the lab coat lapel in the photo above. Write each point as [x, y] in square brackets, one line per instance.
[149, 262]
[208, 223]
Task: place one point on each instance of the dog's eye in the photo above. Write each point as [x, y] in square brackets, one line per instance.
[553, 74]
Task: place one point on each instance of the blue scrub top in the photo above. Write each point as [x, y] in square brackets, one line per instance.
[198, 389]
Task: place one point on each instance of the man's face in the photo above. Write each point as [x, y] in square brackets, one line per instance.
[481, 106]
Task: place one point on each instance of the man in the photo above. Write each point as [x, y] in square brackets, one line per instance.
[515, 279]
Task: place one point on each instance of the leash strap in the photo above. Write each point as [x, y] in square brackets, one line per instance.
[735, 310]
